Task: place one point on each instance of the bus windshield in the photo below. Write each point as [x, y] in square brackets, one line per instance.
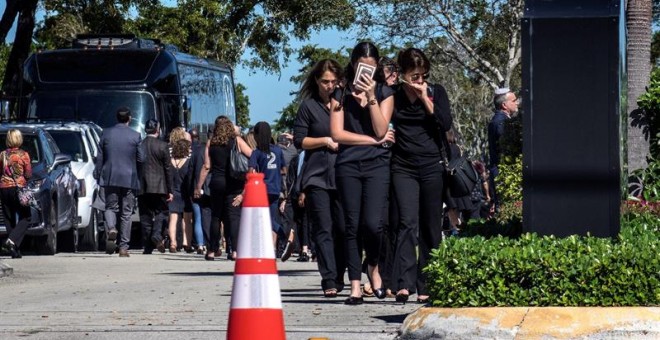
[95, 106]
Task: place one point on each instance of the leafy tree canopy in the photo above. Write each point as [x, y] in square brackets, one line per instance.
[222, 30]
[242, 106]
[482, 36]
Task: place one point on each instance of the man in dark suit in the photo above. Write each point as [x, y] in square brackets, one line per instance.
[116, 171]
[506, 105]
[156, 187]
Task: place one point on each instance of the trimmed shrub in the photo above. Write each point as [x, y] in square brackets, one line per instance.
[548, 271]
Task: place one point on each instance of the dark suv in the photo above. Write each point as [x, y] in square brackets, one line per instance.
[55, 189]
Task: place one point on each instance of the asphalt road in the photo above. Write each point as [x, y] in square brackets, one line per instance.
[174, 296]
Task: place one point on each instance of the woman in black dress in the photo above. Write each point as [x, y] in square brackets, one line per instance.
[181, 179]
[226, 191]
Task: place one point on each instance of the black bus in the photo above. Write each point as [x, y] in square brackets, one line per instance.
[99, 74]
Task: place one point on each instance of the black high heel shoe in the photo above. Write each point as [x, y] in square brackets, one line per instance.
[380, 293]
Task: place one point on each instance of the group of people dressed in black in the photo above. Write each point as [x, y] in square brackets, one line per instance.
[373, 157]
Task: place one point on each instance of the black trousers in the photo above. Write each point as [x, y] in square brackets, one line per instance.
[328, 230]
[388, 245]
[153, 216]
[418, 193]
[303, 227]
[16, 226]
[222, 211]
[363, 188]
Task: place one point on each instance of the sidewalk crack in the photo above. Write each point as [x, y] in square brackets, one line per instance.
[519, 326]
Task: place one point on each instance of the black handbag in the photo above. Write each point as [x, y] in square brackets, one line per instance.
[461, 177]
[238, 162]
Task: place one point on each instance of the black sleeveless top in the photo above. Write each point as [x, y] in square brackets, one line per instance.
[219, 155]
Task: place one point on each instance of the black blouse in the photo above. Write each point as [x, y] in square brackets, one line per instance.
[313, 120]
[357, 119]
[418, 134]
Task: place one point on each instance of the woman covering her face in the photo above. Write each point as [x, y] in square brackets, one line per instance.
[422, 115]
[359, 118]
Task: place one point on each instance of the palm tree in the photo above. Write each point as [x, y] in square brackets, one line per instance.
[638, 25]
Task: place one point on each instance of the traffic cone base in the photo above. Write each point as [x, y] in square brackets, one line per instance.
[256, 323]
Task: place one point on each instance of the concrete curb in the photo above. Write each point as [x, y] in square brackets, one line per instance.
[5, 269]
[533, 323]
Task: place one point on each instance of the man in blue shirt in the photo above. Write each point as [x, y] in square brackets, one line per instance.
[268, 159]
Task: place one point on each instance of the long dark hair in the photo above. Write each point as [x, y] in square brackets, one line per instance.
[310, 88]
[263, 136]
[364, 49]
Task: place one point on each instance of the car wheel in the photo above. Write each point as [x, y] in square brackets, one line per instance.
[47, 244]
[90, 235]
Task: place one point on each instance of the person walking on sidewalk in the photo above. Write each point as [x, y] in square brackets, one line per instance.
[312, 134]
[226, 190]
[116, 171]
[268, 159]
[359, 118]
[422, 115]
[16, 169]
[156, 187]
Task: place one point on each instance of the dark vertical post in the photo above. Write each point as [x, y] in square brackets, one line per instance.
[573, 147]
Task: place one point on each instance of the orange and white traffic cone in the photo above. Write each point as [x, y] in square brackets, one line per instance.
[256, 306]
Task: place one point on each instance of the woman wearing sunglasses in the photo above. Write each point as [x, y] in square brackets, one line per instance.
[421, 117]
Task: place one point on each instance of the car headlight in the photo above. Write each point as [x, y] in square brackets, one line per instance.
[82, 189]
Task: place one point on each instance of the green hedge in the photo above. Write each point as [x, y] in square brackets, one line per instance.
[548, 271]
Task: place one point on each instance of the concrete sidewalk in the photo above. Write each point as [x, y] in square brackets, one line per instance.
[533, 323]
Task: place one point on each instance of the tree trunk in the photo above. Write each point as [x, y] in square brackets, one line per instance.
[21, 48]
[638, 25]
[8, 18]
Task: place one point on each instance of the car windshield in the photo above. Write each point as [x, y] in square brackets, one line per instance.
[70, 143]
[30, 144]
[95, 106]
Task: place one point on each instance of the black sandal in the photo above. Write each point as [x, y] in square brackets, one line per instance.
[330, 293]
[352, 300]
[402, 297]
